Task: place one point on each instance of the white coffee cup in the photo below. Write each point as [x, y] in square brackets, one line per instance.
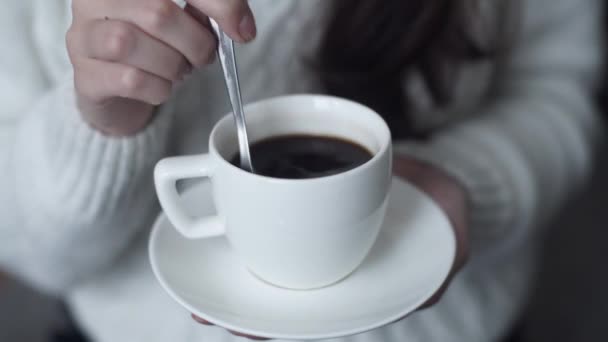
[293, 233]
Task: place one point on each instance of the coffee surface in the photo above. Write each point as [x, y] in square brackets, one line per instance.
[305, 156]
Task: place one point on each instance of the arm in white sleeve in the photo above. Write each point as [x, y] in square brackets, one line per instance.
[532, 145]
[71, 199]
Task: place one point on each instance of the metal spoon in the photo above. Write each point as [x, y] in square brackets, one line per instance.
[227, 58]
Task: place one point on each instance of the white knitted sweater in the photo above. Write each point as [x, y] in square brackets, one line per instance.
[76, 206]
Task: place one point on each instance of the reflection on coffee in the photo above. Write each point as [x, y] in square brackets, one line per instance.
[305, 156]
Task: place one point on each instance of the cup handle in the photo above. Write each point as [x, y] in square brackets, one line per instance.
[166, 173]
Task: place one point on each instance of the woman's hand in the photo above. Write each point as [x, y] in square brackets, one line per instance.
[447, 193]
[254, 338]
[450, 196]
[128, 54]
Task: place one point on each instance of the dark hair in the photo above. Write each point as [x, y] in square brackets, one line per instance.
[370, 46]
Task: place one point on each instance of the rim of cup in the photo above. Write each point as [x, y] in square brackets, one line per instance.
[384, 144]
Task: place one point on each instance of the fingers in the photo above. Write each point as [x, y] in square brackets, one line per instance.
[167, 22]
[198, 15]
[254, 338]
[233, 16]
[435, 298]
[117, 80]
[123, 43]
[205, 322]
[200, 320]
[450, 196]
[126, 55]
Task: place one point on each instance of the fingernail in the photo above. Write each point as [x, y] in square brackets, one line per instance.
[247, 27]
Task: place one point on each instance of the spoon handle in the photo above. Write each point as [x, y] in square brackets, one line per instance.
[227, 59]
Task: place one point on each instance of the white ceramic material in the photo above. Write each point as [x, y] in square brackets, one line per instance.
[298, 234]
[409, 261]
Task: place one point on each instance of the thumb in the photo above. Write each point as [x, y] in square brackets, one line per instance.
[233, 16]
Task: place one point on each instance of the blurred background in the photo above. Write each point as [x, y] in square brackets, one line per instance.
[569, 303]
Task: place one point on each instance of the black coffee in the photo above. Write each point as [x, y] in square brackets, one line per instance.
[305, 156]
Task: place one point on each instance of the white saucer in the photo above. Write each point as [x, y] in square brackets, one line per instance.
[410, 260]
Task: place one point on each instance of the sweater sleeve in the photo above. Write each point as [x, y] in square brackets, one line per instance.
[532, 145]
[71, 199]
